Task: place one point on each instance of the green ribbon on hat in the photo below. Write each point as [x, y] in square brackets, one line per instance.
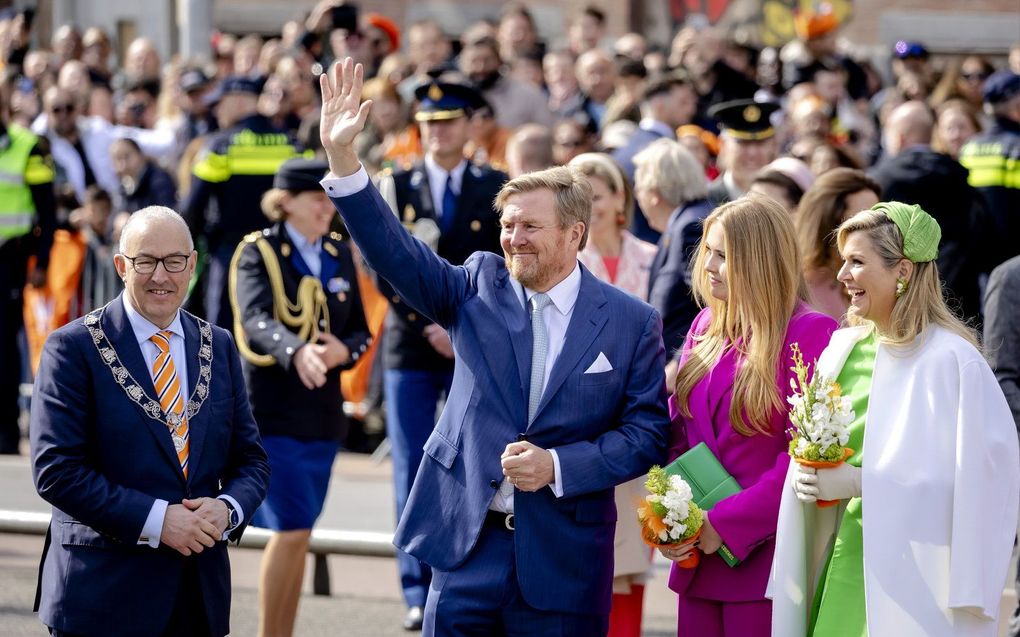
[921, 233]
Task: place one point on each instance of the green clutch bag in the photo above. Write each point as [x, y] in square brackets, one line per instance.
[709, 481]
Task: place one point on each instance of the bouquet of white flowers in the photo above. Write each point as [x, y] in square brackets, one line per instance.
[821, 418]
[668, 515]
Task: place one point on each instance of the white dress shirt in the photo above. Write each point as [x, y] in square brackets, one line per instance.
[655, 126]
[311, 252]
[437, 182]
[144, 331]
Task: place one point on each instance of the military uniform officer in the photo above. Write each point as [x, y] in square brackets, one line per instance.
[234, 169]
[446, 202]
[748, 144]
[298, 321]
[27, 222]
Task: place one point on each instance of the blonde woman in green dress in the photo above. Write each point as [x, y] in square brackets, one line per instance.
[921, 541]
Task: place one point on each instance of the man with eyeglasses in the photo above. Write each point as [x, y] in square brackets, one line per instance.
[143, 442]
[27, 222]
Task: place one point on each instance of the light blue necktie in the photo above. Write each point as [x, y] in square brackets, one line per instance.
[539, 347]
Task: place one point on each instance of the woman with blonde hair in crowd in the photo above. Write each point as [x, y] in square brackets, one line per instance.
[616, 256]
[935, 452]
[730, 394]
[834, 197]
[613, 254]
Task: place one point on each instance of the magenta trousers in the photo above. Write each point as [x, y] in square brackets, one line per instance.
[709, 618]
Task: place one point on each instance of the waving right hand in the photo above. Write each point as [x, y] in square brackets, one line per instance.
[343, 115]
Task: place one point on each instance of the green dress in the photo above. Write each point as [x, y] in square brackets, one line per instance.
[838, 609]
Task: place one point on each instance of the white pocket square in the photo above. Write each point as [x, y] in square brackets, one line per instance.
[600, 365]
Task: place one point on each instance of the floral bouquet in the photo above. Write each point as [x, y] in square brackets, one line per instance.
[668, 515]
[821, 416]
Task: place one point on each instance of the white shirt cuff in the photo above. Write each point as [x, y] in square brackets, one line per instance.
[153, 527]
[557, 483]
[343, 186]
[240, 514]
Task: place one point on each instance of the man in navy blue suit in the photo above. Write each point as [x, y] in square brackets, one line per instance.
[144, 443]
[558, 395]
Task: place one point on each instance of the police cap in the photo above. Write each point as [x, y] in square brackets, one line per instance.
[235, 84]
[1001, 86]
[299, 174]
[440, 100]
[745, 119]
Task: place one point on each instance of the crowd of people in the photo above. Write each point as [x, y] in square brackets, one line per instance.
[753, 198]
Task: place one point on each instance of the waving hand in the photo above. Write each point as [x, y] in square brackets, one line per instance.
[343, 115]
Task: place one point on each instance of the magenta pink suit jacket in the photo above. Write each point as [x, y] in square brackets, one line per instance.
[746, 521]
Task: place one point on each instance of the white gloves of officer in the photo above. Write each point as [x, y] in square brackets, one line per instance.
[837, 483]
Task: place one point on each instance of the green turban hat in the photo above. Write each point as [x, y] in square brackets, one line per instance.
[921, 233]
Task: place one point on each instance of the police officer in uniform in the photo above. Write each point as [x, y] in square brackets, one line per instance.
[27, 222]
[446, 202]
[748, 144]
[298, 322]
[993, 159]
[234, 169]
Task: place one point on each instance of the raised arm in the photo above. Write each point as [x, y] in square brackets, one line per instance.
[427, 282]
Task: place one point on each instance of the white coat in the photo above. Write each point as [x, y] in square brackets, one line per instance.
[940, 486]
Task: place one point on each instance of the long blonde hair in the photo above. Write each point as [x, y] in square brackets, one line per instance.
[765, 285]
[922, 304]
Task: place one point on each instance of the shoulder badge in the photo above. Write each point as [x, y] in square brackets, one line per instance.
[252, 237]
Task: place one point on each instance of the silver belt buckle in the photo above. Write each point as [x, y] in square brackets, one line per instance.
[508, 521]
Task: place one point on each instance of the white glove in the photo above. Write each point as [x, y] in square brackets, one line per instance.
[837, 483]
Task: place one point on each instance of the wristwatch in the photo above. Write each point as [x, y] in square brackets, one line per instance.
[233, 519]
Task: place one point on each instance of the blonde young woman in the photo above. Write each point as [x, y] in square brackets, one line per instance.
[936, 457]
[616, 256]
[730, 394]
[613, 254]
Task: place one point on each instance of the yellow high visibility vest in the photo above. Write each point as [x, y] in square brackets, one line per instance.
[19, 171]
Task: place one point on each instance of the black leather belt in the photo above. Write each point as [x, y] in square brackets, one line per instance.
[501, 521]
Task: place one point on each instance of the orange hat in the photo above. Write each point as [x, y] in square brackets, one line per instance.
[389, 27]
[814, 24]
[709, 139]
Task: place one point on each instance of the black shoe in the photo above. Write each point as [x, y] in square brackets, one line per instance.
[414, 618]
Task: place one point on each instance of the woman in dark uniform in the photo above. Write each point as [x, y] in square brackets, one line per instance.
[299, 322]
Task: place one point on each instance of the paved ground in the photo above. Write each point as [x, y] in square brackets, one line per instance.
[364, 601]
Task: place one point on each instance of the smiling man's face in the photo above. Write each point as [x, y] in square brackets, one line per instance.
[158, 295]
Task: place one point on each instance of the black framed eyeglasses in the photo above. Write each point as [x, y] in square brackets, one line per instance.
[172, 263]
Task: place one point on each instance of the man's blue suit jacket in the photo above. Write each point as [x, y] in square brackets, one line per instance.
[101, 462]
[606, 427]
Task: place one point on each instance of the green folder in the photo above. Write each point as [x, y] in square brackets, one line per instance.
[709, 481]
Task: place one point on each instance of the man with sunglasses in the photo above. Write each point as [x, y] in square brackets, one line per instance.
[143, 441]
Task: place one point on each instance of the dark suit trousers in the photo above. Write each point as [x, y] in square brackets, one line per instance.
[188, 618]
[12, 282]
[482, 598]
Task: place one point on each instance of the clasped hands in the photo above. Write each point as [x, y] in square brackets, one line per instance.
[194, 525]
[314, 360]
[528, 467]
[836, 483]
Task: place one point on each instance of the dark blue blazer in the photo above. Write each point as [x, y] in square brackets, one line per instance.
[606, 427]
[669, 279]
[625, 157]
[101, 462]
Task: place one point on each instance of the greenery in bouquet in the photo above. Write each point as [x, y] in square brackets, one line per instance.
[820, 414]
[668, 514]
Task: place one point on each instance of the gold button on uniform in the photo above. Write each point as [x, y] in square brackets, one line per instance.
[476, 225]
[412, 317]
